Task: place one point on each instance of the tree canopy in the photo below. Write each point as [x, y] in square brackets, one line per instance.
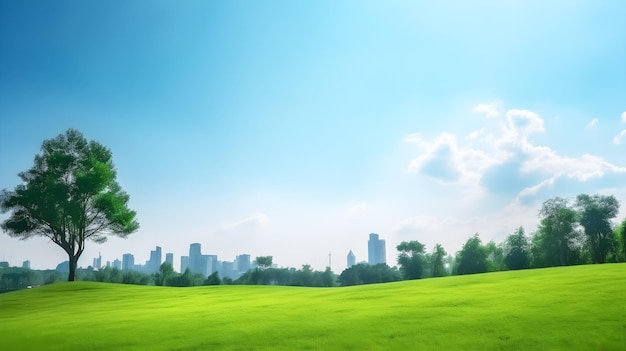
[70, 195]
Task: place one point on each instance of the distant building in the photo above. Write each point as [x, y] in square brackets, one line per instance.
[26, 264]
[227, 270]
[351, 259]
[117, 264]
[97, 261]
[242, 263]
[376, 252]
[195, 258]
[152, 266]
[63, 267]
[184, 263]
[169, 258]
[4, 264]
[128, 262]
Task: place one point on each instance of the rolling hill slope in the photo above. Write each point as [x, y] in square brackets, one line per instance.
[565, 308]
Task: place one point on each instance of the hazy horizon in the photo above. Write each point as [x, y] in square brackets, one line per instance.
[295, 129]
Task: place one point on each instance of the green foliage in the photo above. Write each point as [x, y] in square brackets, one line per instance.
[472, 258]
[213, 279]
[437, 261]
[514, 310]
[517, 250]
[165, 274]
[411, 259]
[288, 276]
[264, 261]
[69, 196]
[15, 278]
[595, 214]
[620, 235]
[557, 242]
[365, 274]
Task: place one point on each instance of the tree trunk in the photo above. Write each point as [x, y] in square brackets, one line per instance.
[73, 263]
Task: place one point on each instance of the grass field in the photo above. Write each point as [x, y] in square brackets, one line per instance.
[567, 308]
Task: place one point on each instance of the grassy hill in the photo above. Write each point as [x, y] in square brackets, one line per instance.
[566, 308]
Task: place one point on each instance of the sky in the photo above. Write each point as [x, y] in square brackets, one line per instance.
[296, 128]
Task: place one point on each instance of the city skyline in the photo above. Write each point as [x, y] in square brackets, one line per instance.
[293, 129]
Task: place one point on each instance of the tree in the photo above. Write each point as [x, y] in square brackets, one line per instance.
[517, 250]
[411, 259]
[495, 256]
[213, 279]
[620, 234]
[472, 258]
[595, 214]
[557, 242]
[264, 262]
[69, 196]
[438, 266]
[165, 274]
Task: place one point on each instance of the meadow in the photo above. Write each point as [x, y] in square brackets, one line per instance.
[564, 308]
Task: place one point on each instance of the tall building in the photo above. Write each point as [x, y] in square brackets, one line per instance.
[97, 262]
[117, 264]
[128, 262]
[195, 259]
[184, 263]
[242, 263]
[26, 264]
[169, 258]
[351, 259]
[376, 252]
[153, 265]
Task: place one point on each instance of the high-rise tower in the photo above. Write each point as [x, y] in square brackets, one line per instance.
[351, 259]
[376, 252]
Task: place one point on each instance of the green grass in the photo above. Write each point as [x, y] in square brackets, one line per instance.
[567, 308]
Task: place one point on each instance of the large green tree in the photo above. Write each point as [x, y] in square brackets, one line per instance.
[411, 259]
[472, 258]
[517, 250]
[595, 214]
[437, 259]
[557, 242]
[70, 196]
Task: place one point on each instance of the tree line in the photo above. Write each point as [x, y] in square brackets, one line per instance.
[70, 196]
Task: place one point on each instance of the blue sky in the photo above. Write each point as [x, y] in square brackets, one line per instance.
[297, 128]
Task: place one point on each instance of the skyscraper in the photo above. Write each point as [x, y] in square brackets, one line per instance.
[169, 258]
[351, 259]
[376, 252]
[195, 253]
[184, 263]
[128, 262]
[155, 260]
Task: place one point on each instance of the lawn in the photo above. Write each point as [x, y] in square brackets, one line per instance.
[565, 308]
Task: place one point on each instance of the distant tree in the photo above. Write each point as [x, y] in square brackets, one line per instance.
[69, 196]
[472, 258]
[164, 275]
[213, 279]
[557, 242]
[411, 259]
[595, 214]
[620, 234]
[437, 259]
[517, 250]
[264, 262]
[365, 274]
[495, 256]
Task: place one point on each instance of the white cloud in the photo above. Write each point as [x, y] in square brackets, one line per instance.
[254, 220]
[489, 110]
[617, 140]
[357, 209]
[592, 124]
[509, 156]
[624, 116]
